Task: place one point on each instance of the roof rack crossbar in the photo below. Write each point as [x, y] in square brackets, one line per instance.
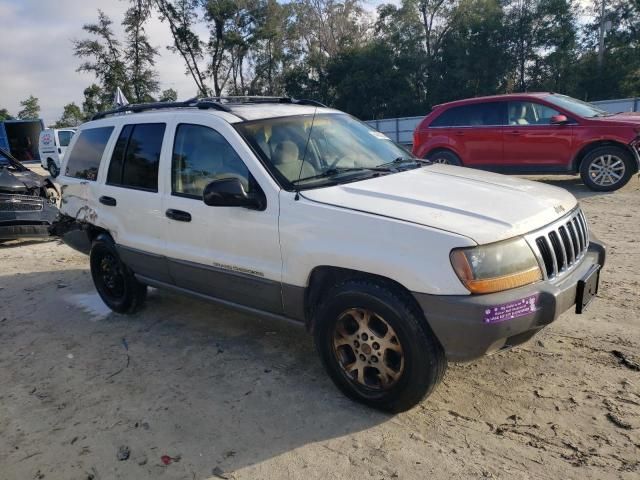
[142, 107]
[218, 103]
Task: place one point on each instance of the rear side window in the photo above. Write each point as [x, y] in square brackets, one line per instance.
[84, 159]
[478, 114]
[64, 137]
[135, 159]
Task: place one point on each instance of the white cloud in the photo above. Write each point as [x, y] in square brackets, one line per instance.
[36, 54]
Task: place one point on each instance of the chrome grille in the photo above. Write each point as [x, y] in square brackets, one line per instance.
[561, 245]
[20, 203]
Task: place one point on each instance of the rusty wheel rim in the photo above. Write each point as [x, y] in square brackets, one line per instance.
[368, 349]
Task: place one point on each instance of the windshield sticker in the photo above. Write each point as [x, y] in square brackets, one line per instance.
[379, 135]
[511, 310]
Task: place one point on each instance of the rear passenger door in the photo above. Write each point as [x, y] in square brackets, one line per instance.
[131, 205]
[230, 253]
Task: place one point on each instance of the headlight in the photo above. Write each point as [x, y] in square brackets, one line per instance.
[497, 266]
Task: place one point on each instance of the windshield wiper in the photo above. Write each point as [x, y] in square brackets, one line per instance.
[332, 172]
[403, 160]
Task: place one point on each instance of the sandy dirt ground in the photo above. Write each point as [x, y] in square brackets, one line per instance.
[85, 394]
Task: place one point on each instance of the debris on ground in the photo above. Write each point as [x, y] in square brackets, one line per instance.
[218, 472]
[617, 421]
[123, 453]
[625, 360]
[167, 460]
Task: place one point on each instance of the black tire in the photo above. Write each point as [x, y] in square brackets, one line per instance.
[114, 281]
[53, 168]
[444, 156]
[616, 156]
[423, 360]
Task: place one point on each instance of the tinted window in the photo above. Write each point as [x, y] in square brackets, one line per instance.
[64, 137]
[479, 114]
[530, 113]
[84, 159]
[201, 155]
[135, 158]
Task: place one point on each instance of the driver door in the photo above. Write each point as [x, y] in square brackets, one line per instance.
[230, 253]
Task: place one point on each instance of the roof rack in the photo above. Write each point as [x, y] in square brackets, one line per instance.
[252, 99]
[218, 103]
[203, 104]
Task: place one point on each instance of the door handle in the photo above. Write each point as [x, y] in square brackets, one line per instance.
[514, 132]
[459, 133]
[178, 215]
[109, 201]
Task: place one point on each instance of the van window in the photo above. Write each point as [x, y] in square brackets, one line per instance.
[135, 159]
[84, 159]
[201, 155]
[64, 137]
[478, 114]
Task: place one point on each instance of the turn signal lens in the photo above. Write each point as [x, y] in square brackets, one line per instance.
[496, 267]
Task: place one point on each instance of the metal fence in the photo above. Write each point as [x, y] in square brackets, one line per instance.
[400, 130]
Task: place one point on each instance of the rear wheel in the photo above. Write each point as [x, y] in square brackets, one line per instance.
[115, 282]
[53, 168]
[444, 156]
[376, 346]
[607, 168]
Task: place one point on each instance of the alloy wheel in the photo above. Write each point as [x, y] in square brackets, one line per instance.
[111, 276]
[368, 349]
[606, 170]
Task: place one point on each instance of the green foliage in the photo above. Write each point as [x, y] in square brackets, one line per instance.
[168, 95]
[411, 55]
[72, 116]
[30, 109]
[5, 115]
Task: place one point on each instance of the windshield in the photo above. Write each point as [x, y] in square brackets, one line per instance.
[577, 107]
[64, 137]
[311, 151]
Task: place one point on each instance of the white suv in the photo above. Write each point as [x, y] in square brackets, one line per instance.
[290, 209]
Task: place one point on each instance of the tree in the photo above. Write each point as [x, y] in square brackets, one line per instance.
[93, 101]
[5, 115]
[140, 54]
[181, 16]
[103, 56]
[30, 110]
[168, 95]
[72, 116]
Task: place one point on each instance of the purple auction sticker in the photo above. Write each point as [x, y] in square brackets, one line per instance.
[511, 310]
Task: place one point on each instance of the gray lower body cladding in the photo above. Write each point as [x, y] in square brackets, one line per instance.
[459, 321]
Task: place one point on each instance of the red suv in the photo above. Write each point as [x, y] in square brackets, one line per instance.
[533, 133]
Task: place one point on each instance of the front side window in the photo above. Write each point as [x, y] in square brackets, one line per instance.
[475, 115]
[530, 113]
[135, 159]
[64, 137]
[84, 159]
[201, 155]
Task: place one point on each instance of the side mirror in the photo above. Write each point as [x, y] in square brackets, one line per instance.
[559, 120]
[229, 192]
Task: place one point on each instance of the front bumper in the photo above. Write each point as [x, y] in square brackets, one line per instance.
[27, 224]
[458, 321]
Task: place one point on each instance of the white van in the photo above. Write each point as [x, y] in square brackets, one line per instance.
[52, 145]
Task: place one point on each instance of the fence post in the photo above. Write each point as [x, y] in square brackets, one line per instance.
[636, 104]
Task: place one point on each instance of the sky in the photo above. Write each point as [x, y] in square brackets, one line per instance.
[36, 52]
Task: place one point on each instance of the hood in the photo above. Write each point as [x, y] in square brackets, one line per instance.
[483, 206]
[621, 119]
[19, 182]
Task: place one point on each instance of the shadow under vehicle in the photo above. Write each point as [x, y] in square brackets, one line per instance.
[27, 200]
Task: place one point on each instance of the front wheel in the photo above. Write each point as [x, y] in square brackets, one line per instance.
[115, 282]
[53, 168]
[376, 345]
[444, 156]
[606, 169]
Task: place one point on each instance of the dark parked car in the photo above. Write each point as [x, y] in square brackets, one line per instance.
[27, 200]
[533, 133]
